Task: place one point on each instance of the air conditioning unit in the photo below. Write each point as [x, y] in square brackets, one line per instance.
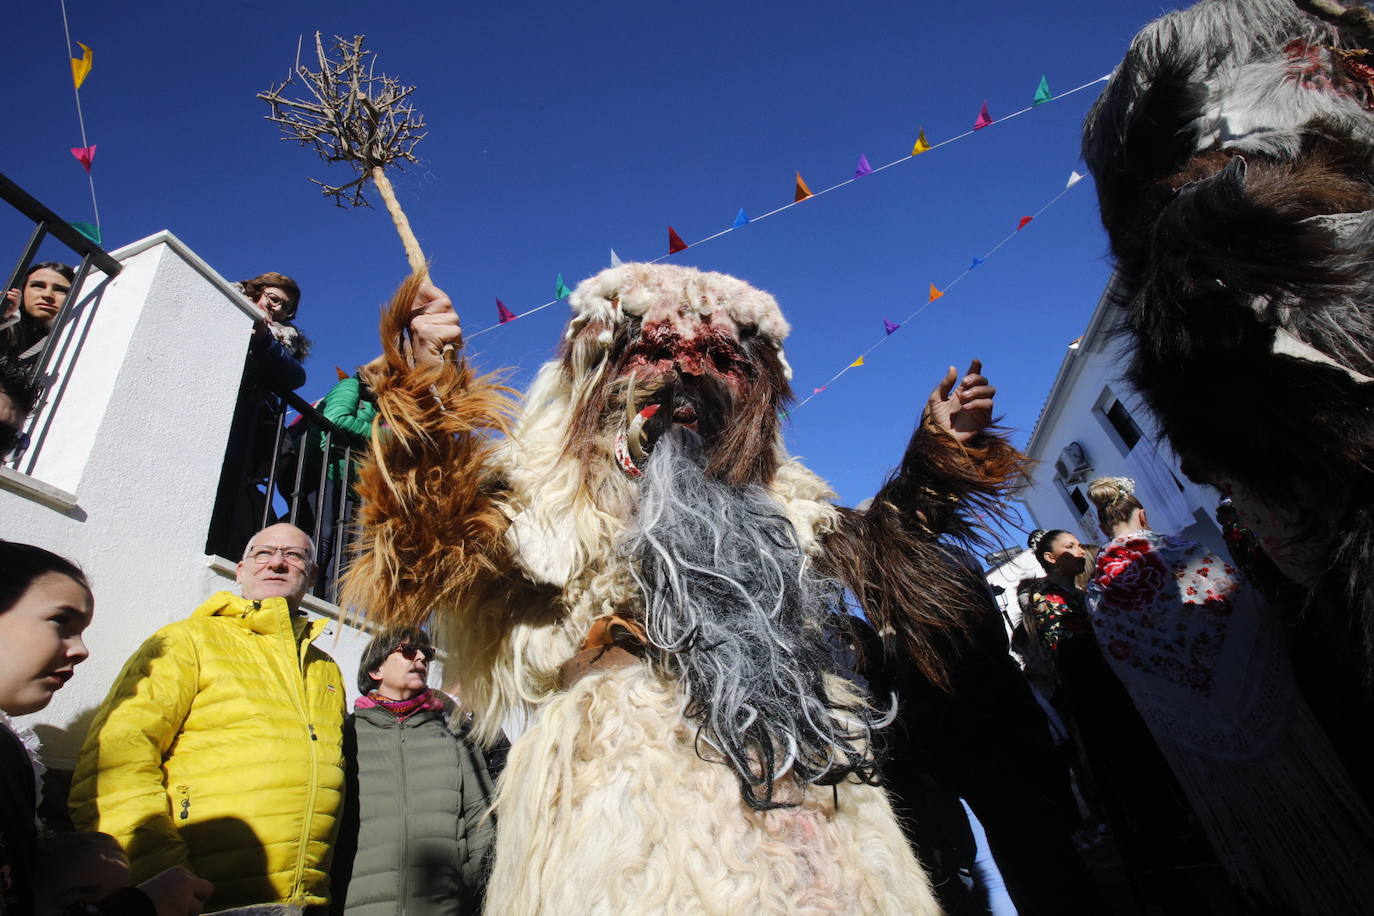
[1072, 465]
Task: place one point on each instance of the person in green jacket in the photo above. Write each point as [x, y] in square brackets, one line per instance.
[416, 832]
[350, 406]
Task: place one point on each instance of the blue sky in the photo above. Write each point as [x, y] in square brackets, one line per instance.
[560, 131]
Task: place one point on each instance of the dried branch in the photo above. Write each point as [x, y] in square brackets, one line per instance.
[348, 114]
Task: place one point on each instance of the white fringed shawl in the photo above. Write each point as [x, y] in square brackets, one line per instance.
[1203, 658]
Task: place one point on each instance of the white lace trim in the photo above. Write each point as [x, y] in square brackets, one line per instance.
[32, 745]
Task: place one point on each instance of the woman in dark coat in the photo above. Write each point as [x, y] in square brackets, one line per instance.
[416, 833]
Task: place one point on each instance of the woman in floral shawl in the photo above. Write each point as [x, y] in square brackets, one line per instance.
[1129, 783]
[1204, 660]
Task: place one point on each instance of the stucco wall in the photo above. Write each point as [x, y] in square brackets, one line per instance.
[133, 445]
[1089, 378]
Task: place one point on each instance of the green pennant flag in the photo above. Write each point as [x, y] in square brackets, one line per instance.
[89, 230]
[560, 289]
[1042, 92]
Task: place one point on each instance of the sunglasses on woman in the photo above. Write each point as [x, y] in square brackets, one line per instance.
[408, 652]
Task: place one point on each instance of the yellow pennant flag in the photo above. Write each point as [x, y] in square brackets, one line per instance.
[934, 293]
[81, 67]
[857, 362]
[803, 192]
[921, 144]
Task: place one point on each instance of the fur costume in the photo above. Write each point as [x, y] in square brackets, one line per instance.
[1232, 151]
[632, 556]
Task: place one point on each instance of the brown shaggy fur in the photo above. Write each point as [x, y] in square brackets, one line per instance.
[439, 416]
[888, 555]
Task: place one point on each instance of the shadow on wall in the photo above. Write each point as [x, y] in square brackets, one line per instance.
[57, 781]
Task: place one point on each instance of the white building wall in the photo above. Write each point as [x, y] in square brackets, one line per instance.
[126, 460]
[1089, 380]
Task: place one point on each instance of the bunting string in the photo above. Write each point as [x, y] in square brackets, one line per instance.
[804, 193]
[890, 327]
[80, 69]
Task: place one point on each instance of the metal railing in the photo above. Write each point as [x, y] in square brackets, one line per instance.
[305, 478]
[47, 224]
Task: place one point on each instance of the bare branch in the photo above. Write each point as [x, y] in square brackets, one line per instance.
[347, 114]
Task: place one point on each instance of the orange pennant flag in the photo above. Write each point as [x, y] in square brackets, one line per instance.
[803, 192]
[921, 144]
[857, 362]
[934, 293]
[81, 66]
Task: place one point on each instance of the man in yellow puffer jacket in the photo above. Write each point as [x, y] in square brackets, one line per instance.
[220, 745]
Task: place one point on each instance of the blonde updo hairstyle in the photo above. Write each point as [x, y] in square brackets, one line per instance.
[1115, 501]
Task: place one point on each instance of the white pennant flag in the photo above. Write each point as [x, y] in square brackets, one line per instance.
[1074, 178]
[615, 259]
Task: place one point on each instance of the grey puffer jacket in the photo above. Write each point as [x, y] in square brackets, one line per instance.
[415, 836]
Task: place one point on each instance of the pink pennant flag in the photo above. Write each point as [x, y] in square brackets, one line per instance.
[984, 119]
[1022, 224]
[816, 391]
[84, 155]
[504, 313]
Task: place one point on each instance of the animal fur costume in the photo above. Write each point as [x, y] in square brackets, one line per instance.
[637, 561]
[1232, 151]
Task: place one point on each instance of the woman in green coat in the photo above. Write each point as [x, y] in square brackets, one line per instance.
[416, 833]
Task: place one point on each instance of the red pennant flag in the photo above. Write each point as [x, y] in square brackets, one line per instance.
[1021, 225]
[84, 155]
[675, 242]
[340, 373]
[984, 119]
[503, 313]
[803, 192]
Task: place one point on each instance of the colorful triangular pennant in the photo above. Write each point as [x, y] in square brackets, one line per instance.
[615, 259]
[504, 314]
[816, 391]
[81, 66]
[560, 289]
[984, 119]
[857, 362]
[84, 155]
[338, 370]
[1042, 92]
[974, 263]
[863, 168]
[89, 230]
[934, 293]
[803, 192]
[675, 242]
[741, 218]
[889, 326]
[1021, 224]
[1074, 178]
[921, 144]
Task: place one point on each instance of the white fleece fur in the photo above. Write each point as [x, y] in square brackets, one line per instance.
[605, 808]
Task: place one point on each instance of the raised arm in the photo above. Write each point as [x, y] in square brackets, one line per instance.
[429, 527]
[954, 474]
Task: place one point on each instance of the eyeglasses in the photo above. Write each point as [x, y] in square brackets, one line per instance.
[296, 556]
[408, 652]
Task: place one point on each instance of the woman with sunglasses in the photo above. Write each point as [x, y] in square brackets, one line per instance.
[415, 834]
[275, 365]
